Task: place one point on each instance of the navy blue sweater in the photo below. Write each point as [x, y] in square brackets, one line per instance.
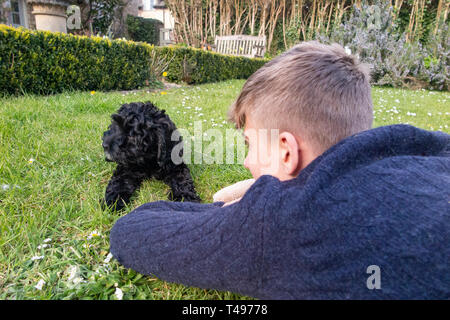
[379, 198]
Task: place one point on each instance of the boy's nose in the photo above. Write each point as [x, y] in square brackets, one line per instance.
[246, 162]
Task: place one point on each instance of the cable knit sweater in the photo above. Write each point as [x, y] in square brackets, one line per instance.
[378, 198]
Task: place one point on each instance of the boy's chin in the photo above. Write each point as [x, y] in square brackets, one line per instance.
[269, 171]
[255, 175]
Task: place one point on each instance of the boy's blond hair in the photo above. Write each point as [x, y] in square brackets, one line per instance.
[313, 90]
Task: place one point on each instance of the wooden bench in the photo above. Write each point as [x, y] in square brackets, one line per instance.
[241, 45]
[165, 36]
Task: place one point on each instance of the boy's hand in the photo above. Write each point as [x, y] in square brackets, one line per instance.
[233, 193]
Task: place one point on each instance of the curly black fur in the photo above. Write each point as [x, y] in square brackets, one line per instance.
[139, 141]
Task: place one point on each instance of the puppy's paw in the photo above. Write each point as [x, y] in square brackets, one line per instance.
[186, 197]
[114, 205]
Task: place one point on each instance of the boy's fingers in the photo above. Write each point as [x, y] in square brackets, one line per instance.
[231, 202]
[233, 191]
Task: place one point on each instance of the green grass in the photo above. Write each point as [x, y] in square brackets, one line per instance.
[56, 194]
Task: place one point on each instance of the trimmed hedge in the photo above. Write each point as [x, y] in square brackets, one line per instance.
[199, 66]
[144, 29]
[49, 62]
[45, 62]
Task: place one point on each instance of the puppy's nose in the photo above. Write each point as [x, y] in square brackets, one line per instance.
[108, 157]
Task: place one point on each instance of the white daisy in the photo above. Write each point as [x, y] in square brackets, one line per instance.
[108, 258]
[37, 258]
[93, 234]
[118, 293]
[40, 284]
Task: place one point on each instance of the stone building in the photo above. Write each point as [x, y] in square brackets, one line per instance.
[51, 14]
[36, 14]
[156, 9]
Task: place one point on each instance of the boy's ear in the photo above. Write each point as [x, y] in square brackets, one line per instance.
[289, 149]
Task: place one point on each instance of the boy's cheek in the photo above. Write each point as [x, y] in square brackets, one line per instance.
[272, 169]
[252, 165]
[257, 169]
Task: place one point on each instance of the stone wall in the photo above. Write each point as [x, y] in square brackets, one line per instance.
[30, 17]
[49, 15]
[162, 15]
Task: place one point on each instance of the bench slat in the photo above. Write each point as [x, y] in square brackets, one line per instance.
[241, 45]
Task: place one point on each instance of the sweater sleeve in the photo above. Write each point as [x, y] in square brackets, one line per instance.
[202, 245]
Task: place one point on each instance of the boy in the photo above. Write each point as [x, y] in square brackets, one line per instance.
[337, 210]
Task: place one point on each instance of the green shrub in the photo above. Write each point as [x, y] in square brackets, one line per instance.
[371, 33]
[46, 62]
[193, 65]
[144, 29]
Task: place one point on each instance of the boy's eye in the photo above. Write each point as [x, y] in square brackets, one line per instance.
[247, 143]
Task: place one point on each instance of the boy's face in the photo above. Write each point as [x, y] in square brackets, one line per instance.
[279, 154]
[263, 151]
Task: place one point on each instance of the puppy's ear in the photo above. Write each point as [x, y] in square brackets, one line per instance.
[118, 119]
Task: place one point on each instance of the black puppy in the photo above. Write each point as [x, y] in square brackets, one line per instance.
[139, 141]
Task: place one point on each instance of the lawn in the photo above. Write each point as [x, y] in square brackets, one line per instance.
[53, 174]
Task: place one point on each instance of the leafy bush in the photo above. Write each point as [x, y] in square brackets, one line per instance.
[144, 29]
[193, 65]
[99, 17]
[370, 33]
[437, 61]
[103, 13]
[45, 62]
